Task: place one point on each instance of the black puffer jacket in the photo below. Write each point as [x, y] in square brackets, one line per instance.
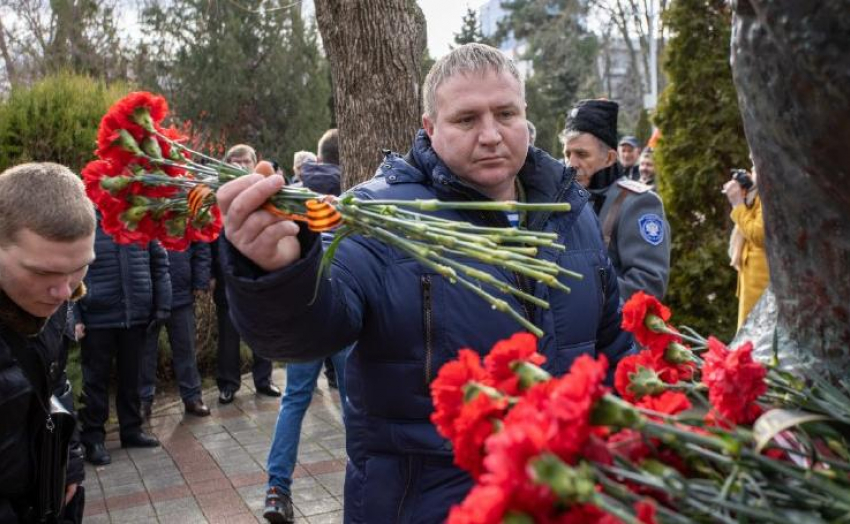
[127, 285]
[190, 272]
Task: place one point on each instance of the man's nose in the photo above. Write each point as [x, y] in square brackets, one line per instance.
[491, 133]
[62, 289]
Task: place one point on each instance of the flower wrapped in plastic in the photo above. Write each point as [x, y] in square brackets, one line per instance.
[149, 185]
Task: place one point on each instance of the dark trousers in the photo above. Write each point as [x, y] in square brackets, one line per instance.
[181, 336]
[99, 346]
[229, 361]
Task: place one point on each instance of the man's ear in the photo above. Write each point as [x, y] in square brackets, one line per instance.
[428, 125]
[612, 157]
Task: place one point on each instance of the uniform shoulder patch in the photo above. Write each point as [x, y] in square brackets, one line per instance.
[633, 185]
[651, 228]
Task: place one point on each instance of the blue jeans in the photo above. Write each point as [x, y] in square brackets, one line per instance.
[300, 383]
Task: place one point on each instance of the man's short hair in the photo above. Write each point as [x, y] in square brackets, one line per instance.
[328, 150]
[467, 59]
[566, 136]
[46, 198]
[240, 150]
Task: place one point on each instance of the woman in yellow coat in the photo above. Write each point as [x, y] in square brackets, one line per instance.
[746, 248]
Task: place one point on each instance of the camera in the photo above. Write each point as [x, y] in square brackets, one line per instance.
[742, 178]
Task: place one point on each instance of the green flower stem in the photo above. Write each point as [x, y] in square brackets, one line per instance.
[614, 507]
[619, 492]
[478, 229]
[422, 254]
[178, 145]
[487, 278]
[495, 258]
[437, 205]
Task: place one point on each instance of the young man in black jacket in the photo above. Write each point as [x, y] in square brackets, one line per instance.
[47, 229]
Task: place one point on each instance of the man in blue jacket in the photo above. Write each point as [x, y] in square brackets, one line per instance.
[406, 320]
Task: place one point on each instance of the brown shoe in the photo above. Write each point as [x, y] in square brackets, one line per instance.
[197, 407]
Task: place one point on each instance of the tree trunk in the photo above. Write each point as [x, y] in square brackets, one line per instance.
[11, 73]
[791, 63]
[375, 48]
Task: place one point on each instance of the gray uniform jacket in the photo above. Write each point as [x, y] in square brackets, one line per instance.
[639, 242]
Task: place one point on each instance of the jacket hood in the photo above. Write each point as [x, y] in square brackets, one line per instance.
[322, 178]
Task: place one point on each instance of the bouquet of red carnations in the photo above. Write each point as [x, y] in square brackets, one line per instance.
[149, 185]
[690, 434]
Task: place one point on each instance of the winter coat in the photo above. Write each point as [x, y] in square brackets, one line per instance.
[20, 411]
[639, 242]
[190, 272]
[407, 321]
[754, 275]
[321, 178]
[127, 285]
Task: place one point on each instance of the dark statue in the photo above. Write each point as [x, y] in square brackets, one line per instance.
[791, 65]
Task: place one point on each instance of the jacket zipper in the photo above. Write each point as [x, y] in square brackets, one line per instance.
[406, 488]
[427, 325]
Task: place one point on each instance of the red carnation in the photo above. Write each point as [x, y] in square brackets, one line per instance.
[520, 347]
[475, 423]
[483, 505]
[645, 317]
[447, 390]
[734, 382]
[668, 372]
[668, 403]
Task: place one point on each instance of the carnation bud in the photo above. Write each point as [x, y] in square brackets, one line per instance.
[655, 323]
[134, 215]
[140, 201]
[142, 116]
[115, 184]
[529, 374]
[645, 381]
[573, 484]
[151, 147]
[677, 353]
[176, 227]
[128, 143]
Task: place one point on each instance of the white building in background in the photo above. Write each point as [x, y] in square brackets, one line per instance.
[489, 16]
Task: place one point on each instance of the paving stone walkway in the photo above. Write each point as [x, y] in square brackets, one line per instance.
[212, 469]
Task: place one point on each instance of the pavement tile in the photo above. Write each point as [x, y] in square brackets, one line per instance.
[249, 479]
[210, 486]
[334, 517]
[169, 493]
[183, 517]
[97, 519]
[133, 514]
[203, 475]
[94, 507]
[181, 505]
[126, 501]
[323, 467]
[317, 507]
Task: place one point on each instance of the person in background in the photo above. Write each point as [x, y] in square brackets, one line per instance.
[129, 293]
[301, 377]
[229, 377]
[628, 151]
[746, 247]
[47, 230]
[190, 275]
[647, 168]
[532, 133]
[634, 226]
[298, 160]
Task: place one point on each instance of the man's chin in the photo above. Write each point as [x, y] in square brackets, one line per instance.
[42, 310]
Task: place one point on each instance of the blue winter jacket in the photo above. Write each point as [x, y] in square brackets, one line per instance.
[190, 272]
[126, 285]
[408, 321]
